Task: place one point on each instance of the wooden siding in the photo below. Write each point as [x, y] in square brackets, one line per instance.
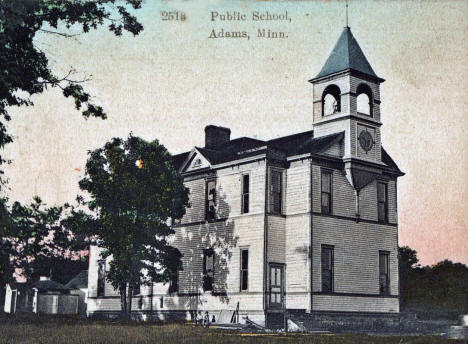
[354, 304]
[356, 253]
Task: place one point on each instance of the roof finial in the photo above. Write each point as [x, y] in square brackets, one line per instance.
[347, 26]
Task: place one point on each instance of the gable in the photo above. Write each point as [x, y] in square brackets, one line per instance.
[195, 161]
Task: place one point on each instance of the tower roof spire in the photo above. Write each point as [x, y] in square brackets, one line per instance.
[347, 55]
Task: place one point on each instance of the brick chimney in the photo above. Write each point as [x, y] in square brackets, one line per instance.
[215, 136]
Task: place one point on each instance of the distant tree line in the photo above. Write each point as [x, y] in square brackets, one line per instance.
[436, 291]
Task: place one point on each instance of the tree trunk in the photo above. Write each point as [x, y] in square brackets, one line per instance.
[123, 301]
[129, 301]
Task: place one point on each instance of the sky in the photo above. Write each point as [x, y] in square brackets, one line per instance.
[172, 80]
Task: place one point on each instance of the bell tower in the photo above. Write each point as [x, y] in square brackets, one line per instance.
[346, 95]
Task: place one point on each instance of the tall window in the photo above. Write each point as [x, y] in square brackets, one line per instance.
[245, 193]
[101, 282]
[174, 283]
[210, 200]
[276, 202]
[244, 269]
[208, 269]
[326, 186]
[382, 200]
[327, 268]
[384, 280]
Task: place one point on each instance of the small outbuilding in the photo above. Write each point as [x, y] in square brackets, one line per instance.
[17, 298]
[78, 285]
[41, 297]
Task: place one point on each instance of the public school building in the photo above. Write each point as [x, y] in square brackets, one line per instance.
[302, 224]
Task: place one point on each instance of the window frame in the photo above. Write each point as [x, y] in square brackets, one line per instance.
[174, 283]
[364, 88]
[242, 269]
[208, 215]
[272, 193]
[384, 202]
[331, 249]
[101, 286]
[330, 193]
[206, 270]
[386, 290]
[245, 194]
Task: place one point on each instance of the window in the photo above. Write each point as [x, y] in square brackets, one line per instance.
[364, 100]
[327, 268]
[326, 180]
[208, 269]
[276, 192]
[382, 202]
[210, 199]
[245, 193]
[101, 282]
[174, 283]
[384, 280]
[331, 100]
[244, 274]
[136, 288]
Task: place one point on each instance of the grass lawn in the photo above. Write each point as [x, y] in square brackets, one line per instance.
[44, 329]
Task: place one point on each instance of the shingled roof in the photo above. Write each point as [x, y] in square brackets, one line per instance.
[79, 281]
[48, 285]
[347, 55]
[291, 145]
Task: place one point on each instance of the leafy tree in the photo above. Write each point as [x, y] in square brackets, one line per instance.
[24, 67]
[407, 258]
[40, 244]
[134, 191]
[436, 291]
[6, 265]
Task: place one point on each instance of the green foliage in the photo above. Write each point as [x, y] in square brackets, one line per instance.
[440, 290]
[134, 191]
[40, 244]
[24, 67]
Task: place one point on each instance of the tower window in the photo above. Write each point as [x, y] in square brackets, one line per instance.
[331, 100]
[364, 100]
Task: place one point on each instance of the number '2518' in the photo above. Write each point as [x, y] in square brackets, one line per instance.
[173, 15]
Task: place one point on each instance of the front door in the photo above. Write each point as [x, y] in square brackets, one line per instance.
[276, 285]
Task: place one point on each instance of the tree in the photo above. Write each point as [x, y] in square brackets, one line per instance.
[432, 291]
[25, 70]
[134, 191]
[41, 245]
[24, 67]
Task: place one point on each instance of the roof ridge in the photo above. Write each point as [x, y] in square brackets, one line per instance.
[291, 135]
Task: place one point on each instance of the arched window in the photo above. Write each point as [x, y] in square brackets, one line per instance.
[364, 100]
[331, 100]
